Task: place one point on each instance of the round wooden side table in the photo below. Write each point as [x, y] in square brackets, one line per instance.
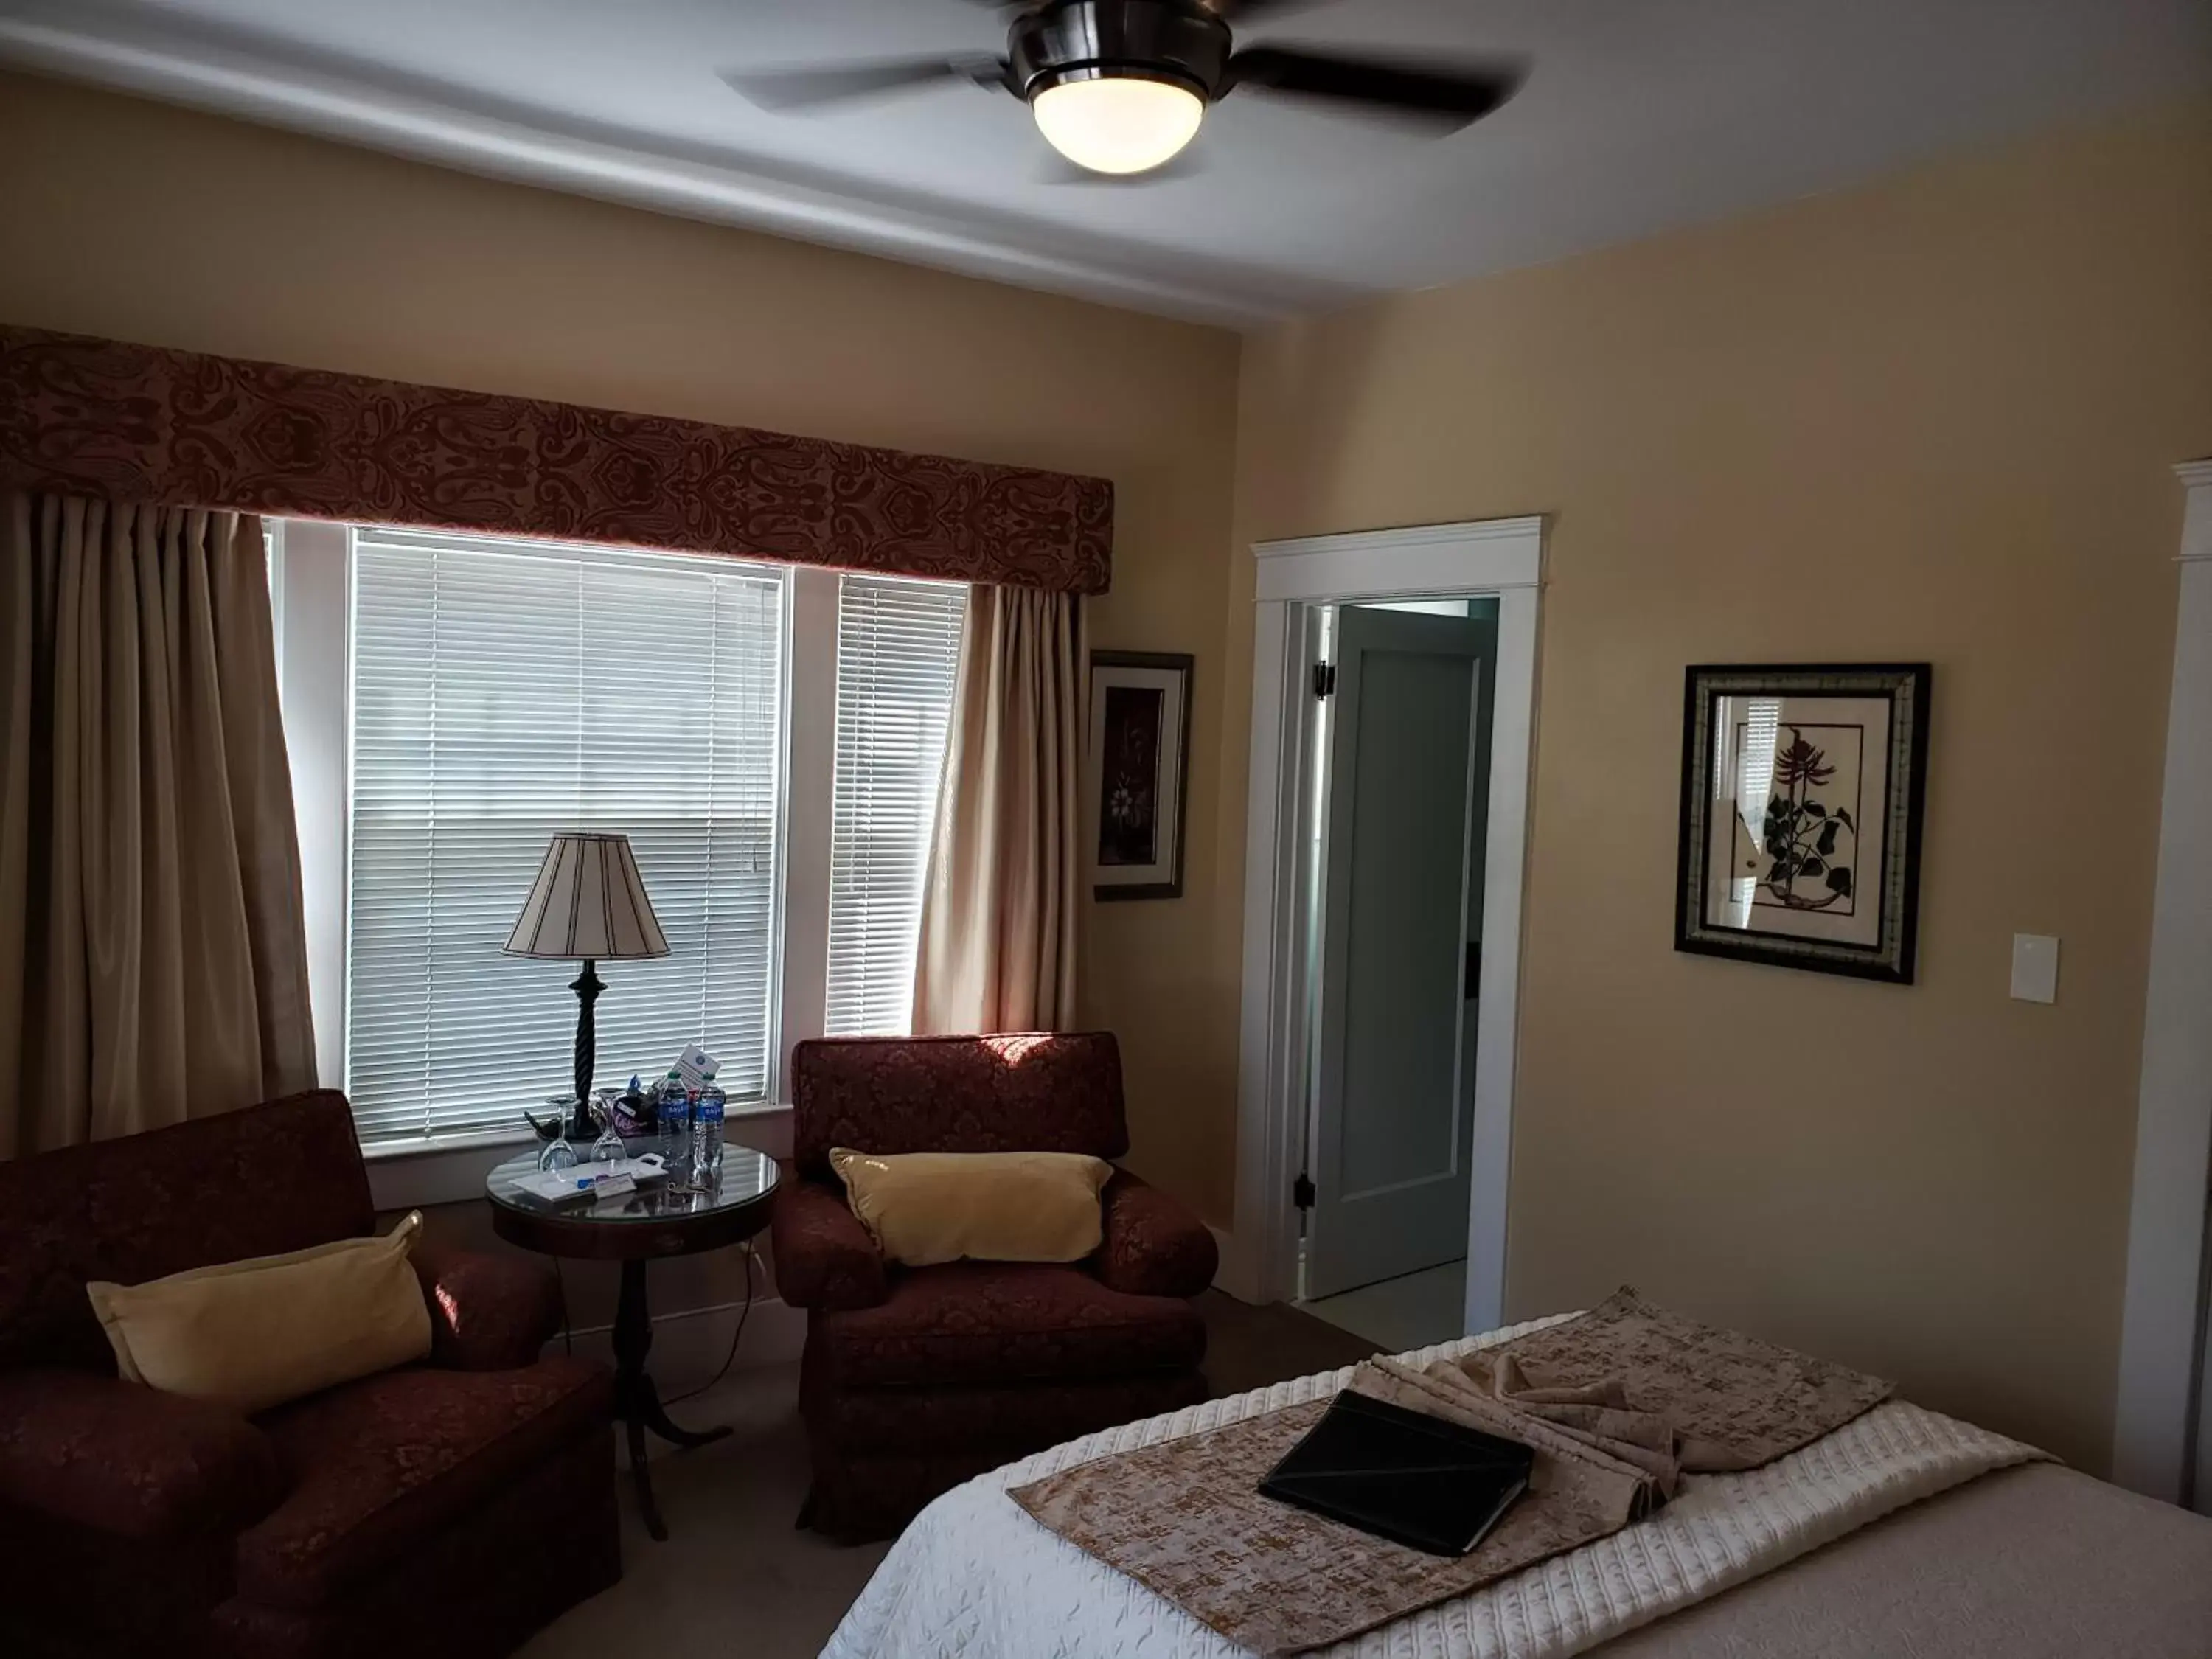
[633, 1228]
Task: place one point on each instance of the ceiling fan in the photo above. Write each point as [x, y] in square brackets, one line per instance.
[1120, 86]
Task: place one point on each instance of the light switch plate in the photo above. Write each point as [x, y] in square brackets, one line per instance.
[2034, 968]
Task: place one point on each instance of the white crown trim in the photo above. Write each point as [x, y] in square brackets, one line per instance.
[133, 58]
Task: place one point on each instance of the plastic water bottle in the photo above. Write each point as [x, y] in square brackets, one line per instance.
[676, 1129]
[708, 1112]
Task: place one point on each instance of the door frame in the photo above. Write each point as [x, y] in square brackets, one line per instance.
[2163, 1386]
[1496, 558]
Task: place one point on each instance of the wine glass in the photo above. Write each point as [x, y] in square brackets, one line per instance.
[558, 1155]
[608, 1148]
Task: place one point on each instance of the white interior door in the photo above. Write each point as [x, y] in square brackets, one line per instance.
[1407, 801]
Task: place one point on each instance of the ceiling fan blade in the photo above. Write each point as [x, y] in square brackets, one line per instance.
[1450, 97]
[810, 88]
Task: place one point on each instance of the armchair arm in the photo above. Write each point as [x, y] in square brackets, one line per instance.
[824, 1256]
[1151, 1245]
[487, 1313]
[129, 1460]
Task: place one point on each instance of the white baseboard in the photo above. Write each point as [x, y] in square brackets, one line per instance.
[1231, 1277]
[690, 1345]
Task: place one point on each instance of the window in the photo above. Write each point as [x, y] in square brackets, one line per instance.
[898, 646]
[502, 692]
[452, 701]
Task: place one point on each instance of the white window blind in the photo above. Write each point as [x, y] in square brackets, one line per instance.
[501, 692]
[898, 647]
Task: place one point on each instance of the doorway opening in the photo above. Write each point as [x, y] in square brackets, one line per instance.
[1395, 827]
[1394, 697]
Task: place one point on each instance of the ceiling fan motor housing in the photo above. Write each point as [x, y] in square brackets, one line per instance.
[1178, 41]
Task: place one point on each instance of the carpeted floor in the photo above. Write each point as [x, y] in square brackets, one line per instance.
[1249, 1347]
[735, 1575]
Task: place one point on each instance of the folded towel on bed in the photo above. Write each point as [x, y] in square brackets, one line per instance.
[1735, 1402]
[1596, 1396]
[1620, 1460]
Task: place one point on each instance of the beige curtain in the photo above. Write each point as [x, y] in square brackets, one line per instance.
[998, 916]
[153, 965]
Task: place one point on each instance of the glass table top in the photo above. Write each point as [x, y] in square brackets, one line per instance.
[746, 1177]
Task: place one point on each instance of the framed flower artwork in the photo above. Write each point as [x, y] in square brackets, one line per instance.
[1139, 763]
[1801, 797]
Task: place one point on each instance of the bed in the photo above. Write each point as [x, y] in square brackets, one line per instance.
[1904, 1533]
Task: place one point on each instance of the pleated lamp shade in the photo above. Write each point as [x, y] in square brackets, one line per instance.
[589, 905]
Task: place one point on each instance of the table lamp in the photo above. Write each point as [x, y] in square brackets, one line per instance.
[587, 904]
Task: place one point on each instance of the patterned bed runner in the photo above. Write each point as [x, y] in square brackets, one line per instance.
[975, 1575]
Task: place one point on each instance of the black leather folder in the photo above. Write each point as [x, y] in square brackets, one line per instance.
[1415, 1479]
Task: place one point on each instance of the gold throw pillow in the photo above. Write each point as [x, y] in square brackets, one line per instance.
[926, 1208]
[252, 1335]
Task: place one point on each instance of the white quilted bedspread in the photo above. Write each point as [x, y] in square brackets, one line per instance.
[977, 1577]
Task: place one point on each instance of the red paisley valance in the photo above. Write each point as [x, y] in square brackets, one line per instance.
[131, 422]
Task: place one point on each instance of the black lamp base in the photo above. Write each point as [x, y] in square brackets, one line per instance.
[587, 986]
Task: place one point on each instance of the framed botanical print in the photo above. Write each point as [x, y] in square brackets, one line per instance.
[1801, 796]
[1139, 764]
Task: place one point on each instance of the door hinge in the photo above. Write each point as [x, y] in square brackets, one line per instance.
[1302, 1192]
[1324, 679]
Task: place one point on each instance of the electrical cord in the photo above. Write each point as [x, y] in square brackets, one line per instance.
[731, 1359]
[744, 1312]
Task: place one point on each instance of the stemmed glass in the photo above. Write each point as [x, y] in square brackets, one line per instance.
[608, 1148]
[558, 1155]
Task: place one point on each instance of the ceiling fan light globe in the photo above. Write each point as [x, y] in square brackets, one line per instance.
[1119, 123]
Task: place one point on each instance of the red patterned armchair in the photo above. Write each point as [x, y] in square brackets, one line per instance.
[915, 1379]
[449, 1508]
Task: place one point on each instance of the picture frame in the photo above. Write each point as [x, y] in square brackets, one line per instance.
[1804, 790]
[1137, 773]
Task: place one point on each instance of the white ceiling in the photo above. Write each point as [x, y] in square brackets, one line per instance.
[1640, 115]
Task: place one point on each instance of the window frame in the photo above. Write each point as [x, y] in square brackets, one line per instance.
[312, 567]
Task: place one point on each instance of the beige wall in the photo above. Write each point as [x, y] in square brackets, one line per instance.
[1930, 419]
[132, 220]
